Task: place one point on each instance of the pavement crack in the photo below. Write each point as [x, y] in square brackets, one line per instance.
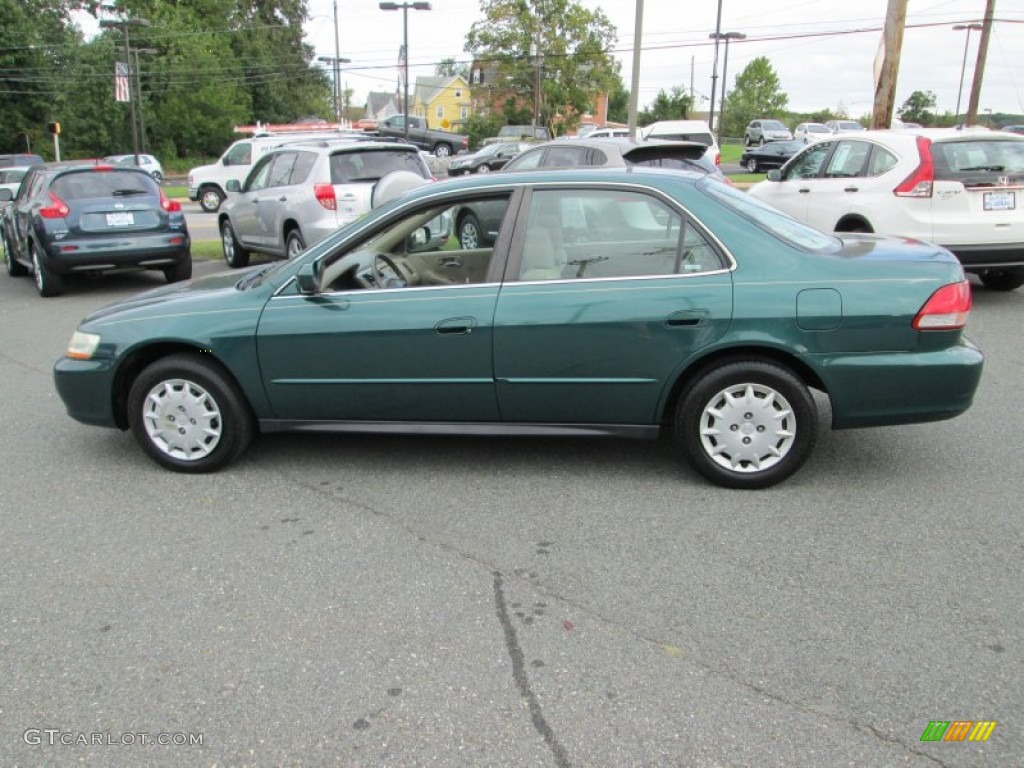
[521, 679]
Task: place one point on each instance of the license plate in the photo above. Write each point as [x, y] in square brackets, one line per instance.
[120, 219]
[999, 201]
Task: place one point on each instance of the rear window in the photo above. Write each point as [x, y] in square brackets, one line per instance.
[87, 184]
[703, 138]
[373, 165]
[981, 161]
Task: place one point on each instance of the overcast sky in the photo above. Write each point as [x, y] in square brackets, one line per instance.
[816, 70]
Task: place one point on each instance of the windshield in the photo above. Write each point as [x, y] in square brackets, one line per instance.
[771, 219]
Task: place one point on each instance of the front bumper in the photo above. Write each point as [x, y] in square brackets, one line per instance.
[86, 388]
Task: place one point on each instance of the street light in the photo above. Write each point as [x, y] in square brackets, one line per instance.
[727, 36]
[417, 6]
[963, 67]
[335, 62]
[123, 25]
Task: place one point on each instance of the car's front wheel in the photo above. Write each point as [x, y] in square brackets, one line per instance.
[210, 199]
[484, 168]
[469, 233]
[746, 424]
[188, 415]
[752, 165]
[234, 254]
[47, 283]
[1002, 279]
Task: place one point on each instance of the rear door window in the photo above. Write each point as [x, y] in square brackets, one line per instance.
[304, 162]
[281, 170]
[849, 160]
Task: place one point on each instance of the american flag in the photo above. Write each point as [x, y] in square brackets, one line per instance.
[122, 91]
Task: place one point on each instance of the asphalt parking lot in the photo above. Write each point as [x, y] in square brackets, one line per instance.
[401, 601]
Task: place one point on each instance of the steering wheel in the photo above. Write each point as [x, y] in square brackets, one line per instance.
[378, 276]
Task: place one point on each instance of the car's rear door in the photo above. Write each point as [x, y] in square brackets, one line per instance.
[246, 215]
[608, 291]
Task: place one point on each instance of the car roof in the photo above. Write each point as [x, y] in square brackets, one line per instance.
[659, 178]
[345, 144]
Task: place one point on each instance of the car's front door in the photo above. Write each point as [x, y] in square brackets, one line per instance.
[798, 181]
[609, 291]
[414, 349]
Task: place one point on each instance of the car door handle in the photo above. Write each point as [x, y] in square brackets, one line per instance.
[804, 190]
[282, 198]
[449, 261]
[686, 318]
[851, 189]
[455, 326]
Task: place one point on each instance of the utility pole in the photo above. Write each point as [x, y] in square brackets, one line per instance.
[337, 69]
[979, 68]
[714, 68]
[887, 74]
[634, 89]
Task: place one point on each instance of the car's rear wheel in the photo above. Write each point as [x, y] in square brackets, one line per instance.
[1002, 279]
[188, 415]
[158, 177]
[178, 272]
[294, 244]
[234, 254]
[47, 283]
[470, 236]
[210, 199]
[752, 165]
[746, 424]
[442, 150]
[14, 267]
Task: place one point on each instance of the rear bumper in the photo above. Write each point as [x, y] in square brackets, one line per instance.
[983, 256]
[146, 251]
[900, 387]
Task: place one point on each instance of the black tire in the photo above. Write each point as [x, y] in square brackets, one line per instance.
[14, 267]
[234, 254]
[1002, 279]
[214, 417]
[294, 244]
[180, 271]
[484, 168]
[210, 199]
[746, 141]
[470, 235]
[760, 141]
[712, 410]
[158, 177]
[47, 283]
[753, 166]
[442, 150]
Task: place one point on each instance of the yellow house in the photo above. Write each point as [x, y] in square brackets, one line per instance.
[444, 101]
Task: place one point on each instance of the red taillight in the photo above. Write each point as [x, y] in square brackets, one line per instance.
[171, 206]
[58, 210]
[919, 182]
[718, 158]
[103, 168]
[946, 310]
[325, 196]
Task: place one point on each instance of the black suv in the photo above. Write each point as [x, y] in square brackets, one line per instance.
[72, 218]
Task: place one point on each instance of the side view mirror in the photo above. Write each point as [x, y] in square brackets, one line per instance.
[307, 279]
[774, 175]
[418, 240]
[233, 185]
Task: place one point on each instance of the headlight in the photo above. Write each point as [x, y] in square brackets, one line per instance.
[82, 345]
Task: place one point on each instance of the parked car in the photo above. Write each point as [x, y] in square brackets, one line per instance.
[419, 133]
[75, 218]
[774, 154]
[844, 126]
[7, 161]
[478, 225]
[685, 130]
[961, 189]
[615, 303]
[148, 163]
[301, 192]
[759, 132]
[10, 178]
[808, 132]
[519, 133]
[1019, 129]
[608, 133]
[492, 157]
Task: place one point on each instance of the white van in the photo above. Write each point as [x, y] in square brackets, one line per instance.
[685, 130]
[207, 183]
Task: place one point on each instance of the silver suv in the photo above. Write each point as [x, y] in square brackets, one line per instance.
[300, 192]
[760, 131]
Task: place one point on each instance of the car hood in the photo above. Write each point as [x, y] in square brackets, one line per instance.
[188, 294]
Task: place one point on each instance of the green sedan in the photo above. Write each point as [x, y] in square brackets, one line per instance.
[612, 302]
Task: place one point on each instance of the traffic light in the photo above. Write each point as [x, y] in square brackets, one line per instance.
[53, 128]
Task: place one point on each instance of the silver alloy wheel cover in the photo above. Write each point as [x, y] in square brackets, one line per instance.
[227, 240]
[295, 247]
[747, 428]
[210, 199]
[37, 270]
[182, 419]
[484, 168]
[473, 241]
[752, 165]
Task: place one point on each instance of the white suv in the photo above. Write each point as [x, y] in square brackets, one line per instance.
[962, 189]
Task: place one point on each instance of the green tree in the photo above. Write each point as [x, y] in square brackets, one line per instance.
[573, 44]
[675, 105]
[757, 93]
[618, 102]
[917, 108]
[449, 67]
